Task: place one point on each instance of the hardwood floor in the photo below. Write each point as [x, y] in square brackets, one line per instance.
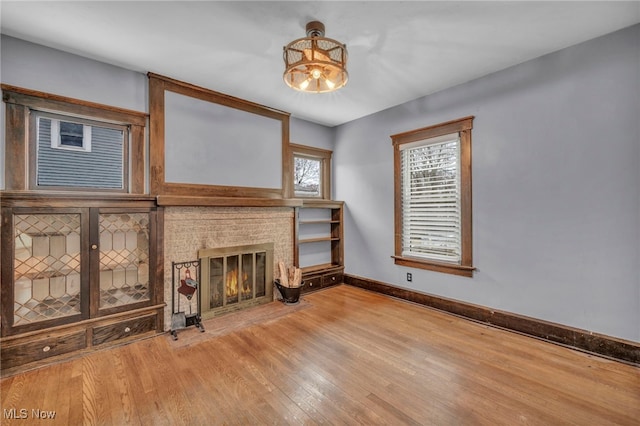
[347, 357]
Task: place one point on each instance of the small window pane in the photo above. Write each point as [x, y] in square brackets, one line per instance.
[307, 177]
[71, 134]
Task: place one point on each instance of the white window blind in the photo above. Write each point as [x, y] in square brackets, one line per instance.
[430, 173]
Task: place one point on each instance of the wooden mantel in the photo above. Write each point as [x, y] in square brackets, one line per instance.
[180, 200]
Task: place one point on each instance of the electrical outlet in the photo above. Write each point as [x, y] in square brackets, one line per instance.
[409, 276]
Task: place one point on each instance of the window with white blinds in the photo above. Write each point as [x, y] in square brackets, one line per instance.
[430, 171]
[432, 180]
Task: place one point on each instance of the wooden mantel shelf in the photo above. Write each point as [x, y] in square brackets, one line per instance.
[178, 200]
[52, 199]
[321, 203]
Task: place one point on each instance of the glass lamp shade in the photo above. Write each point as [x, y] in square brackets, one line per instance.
[315, 65]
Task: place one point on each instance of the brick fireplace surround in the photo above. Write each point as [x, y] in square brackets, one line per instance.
[189, 229]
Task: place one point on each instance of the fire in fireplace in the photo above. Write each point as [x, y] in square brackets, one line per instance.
[234, 278]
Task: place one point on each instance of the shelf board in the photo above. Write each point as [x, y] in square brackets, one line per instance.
[318, 203]
[320, 268]
[48, 274]
[312, 222]
[317, 240]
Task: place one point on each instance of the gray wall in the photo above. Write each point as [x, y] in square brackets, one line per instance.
[556, 187]
[37, 67]
[303, 132]
[213, 144]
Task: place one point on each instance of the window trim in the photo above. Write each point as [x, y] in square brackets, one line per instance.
[324, 156]
[20, 149]
[463, 127]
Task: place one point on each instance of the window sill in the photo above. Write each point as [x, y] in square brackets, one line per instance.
[447, 268]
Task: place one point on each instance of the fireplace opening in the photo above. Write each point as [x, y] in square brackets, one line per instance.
[235, 278]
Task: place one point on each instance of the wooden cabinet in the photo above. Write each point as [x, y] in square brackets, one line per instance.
[316, 280]
[320, 243]
[74, 268]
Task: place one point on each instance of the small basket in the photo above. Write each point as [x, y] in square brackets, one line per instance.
[290, 295]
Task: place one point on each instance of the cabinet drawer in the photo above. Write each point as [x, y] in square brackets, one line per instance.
[123, 329]
[35, 350]
[312, 283]
[331, 279]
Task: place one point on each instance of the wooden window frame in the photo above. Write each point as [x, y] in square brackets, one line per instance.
[324, 156]
[463, 127]
[21, 131]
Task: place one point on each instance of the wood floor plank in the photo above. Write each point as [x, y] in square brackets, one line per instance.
[254, 369]
[348, 357]
[278, 369]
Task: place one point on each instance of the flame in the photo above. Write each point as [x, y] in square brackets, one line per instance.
[232, 284]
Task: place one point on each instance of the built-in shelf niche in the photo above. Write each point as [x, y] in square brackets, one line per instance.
[319, 236]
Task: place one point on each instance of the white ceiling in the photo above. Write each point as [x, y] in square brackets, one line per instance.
[398, 51]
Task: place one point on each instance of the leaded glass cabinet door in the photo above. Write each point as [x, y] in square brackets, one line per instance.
[124, 276]
[49, 270]
[63, 265]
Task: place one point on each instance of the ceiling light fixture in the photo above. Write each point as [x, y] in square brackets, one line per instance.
[315, 64]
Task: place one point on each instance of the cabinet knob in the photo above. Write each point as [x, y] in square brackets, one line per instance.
[94, 246]
[46, 349]
[127, 329]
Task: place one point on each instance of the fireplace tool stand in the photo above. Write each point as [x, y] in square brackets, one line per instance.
[185, 285]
